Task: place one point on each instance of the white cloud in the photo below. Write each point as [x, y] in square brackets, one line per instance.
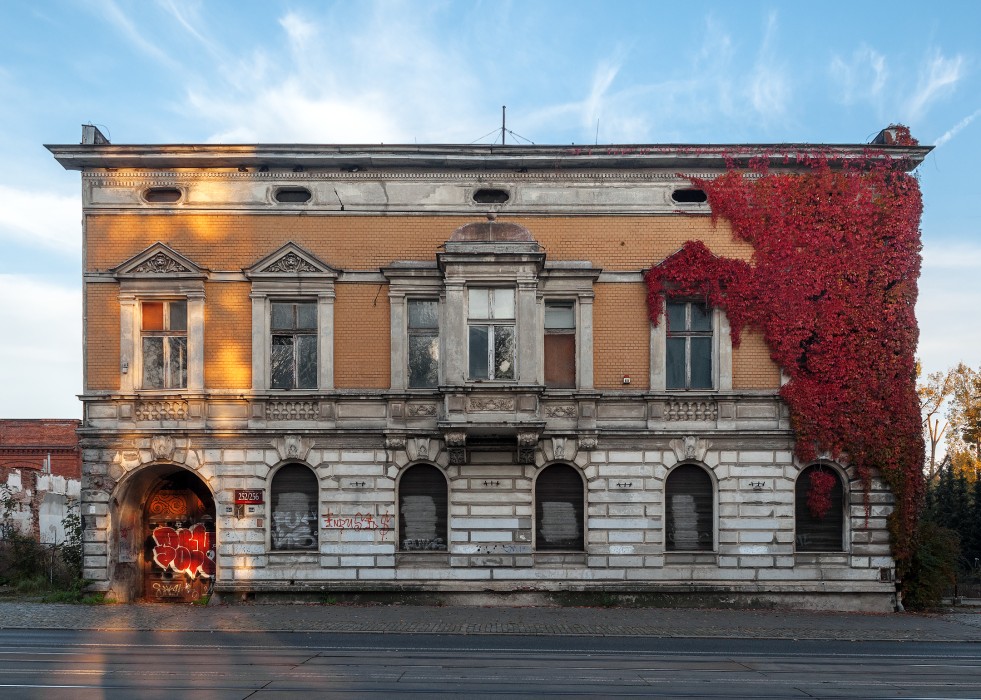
[953, 131]
[43, 219]
[938, 77]
[862, 77]
[41, 356]
[115, 16]
[769, 84]
[948, 305]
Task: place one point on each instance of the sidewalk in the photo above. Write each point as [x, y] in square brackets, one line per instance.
[959, 626]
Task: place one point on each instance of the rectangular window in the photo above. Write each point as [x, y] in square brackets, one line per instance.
[163, 331]
[491, 333]
[294, 345]
[689, 345]
[560, 345]
[423, 328]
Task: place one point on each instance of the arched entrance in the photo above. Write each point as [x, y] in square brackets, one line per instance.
[179, 539]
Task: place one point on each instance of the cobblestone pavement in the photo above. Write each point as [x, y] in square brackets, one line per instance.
[964, 625]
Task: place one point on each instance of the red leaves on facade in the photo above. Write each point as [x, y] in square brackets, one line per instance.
[832, 286]
[819, 493]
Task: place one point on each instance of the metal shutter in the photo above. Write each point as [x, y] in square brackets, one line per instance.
[295, 504]
[689, 510]
[559, 509]
[819, 534]
[422, 510]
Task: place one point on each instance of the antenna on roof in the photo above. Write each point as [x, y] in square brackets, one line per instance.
[504, 131]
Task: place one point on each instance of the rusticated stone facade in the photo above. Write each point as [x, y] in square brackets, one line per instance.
[413, 368]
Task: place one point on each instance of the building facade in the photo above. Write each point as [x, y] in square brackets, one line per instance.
[40, 475]
[314, 369]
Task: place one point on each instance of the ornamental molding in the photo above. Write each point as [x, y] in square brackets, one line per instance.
[160, 410]
[496, 404]
[158, 261]
[561, 411]
[290, 260]
[690, 448]
[416, 410]
[691, 410]
[292, 447]
[162, 447]
[292, 410]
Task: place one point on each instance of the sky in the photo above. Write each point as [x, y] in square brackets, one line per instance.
[438, 71]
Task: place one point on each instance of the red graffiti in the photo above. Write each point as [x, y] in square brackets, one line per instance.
[186, 551]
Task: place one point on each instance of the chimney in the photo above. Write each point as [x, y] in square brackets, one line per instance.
[91, 136]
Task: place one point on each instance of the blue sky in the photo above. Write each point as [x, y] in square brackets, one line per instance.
[271, 71]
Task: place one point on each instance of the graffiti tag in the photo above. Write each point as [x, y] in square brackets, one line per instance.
[187, 551]
[358, 521]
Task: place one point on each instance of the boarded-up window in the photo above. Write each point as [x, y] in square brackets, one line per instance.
[688, 360]
[423, 327]
[163, 334]
[814, 533]
[689, 510]
[559, 509]
[560, 345]
[294, 345]
[295, 495]
[422, 509]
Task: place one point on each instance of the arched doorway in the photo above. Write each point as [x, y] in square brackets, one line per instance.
[176, 522]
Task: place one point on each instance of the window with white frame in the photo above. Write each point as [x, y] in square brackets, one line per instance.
[163, 343]
[689, 345]
[423, 343]
[491, 336]
[293, 355]
[560, 344]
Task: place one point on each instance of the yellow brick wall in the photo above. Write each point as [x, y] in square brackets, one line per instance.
[362, 340]
[621, 336]
[227, 335]
[362, 343]
[233, 242]
[752, 367]
[102, 329]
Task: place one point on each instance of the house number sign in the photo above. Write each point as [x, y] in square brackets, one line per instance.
[248, 496]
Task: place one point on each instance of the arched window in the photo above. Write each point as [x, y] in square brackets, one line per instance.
[295, 496]
[559, 510]
[819, 510]
[423, 506]
[689, 510]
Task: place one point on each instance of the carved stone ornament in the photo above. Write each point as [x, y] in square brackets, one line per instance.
[291, 263]
[558, 447]
[160, 264]
[420, 409]
[292, 410]
[561, 411]
[691, 410]
[455, 439]
[527, 439]
[690, 447]
[456, 447]
[587, 442]
[504, 403]
[292, 447]
[421, 445]
[162, 447]
[395, 442]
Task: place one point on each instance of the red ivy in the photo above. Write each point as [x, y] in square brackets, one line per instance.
[832, 286]
[819, 493]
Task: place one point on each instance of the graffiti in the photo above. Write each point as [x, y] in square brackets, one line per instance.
[176, 589]
[358, 521]
[421, 545]
[294, 522]
[187, 551]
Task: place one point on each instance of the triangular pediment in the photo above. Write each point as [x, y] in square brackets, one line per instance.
[158, 261]
[291, 261]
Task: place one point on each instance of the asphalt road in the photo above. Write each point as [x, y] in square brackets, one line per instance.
[82, 664]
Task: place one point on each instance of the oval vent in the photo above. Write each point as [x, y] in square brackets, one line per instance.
[162, 195]
[689, 196]
[491, 196]
[293, 195]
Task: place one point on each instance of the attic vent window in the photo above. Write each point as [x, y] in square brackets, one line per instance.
[689, 196]
[293, 195]
[491, 196]
[162, 195]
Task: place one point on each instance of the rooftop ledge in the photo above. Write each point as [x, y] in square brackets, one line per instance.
[466, 158]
